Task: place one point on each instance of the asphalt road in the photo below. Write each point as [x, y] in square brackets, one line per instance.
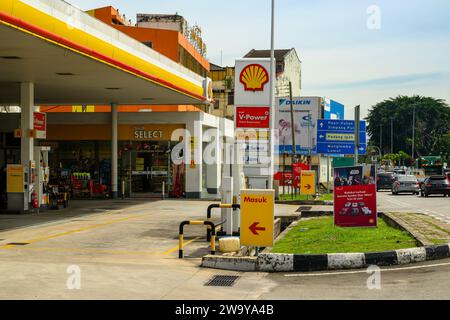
[435, 205]
[429, 280]
[422, 281]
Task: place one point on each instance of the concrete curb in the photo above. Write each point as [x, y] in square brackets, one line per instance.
[274, 262]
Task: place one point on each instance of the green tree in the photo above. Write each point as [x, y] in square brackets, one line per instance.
[432, 125]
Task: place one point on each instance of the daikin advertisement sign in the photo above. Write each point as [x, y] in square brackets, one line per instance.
[306, 114]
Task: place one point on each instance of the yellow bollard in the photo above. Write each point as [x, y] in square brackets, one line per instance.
[180, 246]
[213, 244]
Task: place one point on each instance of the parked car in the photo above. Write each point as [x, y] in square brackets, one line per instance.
[435, 185]
[385, 180]
[448, 176]
[404, 183]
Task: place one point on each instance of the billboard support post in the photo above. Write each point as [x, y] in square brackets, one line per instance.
[294, 147]
[328, 174]
[357, 130]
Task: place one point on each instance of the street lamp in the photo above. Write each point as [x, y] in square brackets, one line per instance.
[381, 137]
[272, 96]
[392, 135]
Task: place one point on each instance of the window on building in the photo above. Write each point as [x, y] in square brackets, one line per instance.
[148, 44]
[216, 105]
[280, 67]
[231, 98]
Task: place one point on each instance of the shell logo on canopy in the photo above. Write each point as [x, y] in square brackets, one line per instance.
[254, 77]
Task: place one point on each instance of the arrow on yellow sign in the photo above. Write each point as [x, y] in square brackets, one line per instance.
[254, 228]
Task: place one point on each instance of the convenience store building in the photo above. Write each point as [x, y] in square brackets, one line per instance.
[80, 147]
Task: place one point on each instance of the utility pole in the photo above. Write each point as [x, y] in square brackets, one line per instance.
[381, 138]
[272, 97]
[357, 130]
[414, 131]
[392, 135]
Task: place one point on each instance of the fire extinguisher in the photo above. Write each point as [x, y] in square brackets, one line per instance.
[34, 200]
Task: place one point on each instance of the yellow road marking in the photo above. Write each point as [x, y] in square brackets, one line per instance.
[95, 226]
[57, 235]
[124, 252]
[174, 249]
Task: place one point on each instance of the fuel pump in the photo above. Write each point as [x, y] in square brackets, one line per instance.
[42, 175]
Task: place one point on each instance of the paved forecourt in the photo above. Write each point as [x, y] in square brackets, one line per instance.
[125, 250]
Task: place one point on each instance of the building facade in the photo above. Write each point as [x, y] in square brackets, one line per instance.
[168, 35]
[288, 69]
[151, 150]
[223, 91]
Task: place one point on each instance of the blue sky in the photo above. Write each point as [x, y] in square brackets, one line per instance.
[342, 58]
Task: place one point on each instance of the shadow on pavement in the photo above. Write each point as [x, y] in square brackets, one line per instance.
[78, 208]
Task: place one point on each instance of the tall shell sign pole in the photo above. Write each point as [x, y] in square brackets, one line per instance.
[252, 112]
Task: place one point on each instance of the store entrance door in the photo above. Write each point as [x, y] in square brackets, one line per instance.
[149, 170]
[141, 175]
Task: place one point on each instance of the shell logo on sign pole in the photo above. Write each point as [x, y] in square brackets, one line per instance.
[253, 112]
[254, 77]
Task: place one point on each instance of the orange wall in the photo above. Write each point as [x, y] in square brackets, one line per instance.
[165, 42]
[102, 132]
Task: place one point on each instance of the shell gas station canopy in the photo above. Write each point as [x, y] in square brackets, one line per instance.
[72, 58]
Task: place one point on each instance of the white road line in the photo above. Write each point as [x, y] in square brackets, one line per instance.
[406, 205]
[356, 272]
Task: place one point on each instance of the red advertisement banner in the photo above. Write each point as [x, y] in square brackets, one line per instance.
[355, 206]
[355, 196]
[40, 121]
[298, 167]
[252, 117]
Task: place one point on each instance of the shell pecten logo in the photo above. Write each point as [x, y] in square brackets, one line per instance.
[254, 77]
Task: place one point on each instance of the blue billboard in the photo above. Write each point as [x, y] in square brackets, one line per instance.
[333, 110]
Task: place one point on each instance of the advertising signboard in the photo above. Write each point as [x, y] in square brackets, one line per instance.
[333, 110]
[252, 82]
[40, 125]
[308, 182]
[288, 175]
[355, 202]
[14, 178]
[339, 162]
[257, 217]
[252, 88]
[306, 113]
[253, 117]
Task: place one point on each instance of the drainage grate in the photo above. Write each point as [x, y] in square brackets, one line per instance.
[222, 281]
[17, 244]
[303, 208]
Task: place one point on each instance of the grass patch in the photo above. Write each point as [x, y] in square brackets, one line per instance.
[320, 236]
[322, 197]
